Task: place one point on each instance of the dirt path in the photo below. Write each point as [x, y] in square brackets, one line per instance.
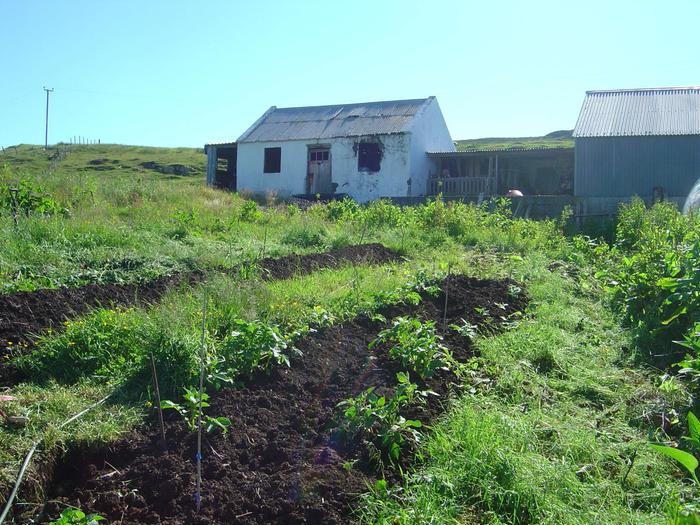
[279, 463]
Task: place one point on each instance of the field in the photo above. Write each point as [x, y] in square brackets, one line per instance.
[443, 363]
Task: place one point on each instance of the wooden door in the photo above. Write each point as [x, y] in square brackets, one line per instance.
[320, 171]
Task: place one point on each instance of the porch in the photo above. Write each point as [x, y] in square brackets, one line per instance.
[488, 173]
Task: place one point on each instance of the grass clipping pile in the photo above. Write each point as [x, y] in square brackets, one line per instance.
[280, 462]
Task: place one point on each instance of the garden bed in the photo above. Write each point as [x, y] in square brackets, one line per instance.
[25, 314]
[279, 463]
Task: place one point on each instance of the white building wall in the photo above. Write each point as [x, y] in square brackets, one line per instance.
[429, 132]
[390, 181]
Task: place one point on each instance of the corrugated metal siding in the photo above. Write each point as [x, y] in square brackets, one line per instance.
[666, 111]
[627, 166]
[324, 122]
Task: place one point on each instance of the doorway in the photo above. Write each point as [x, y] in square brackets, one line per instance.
[319, 171]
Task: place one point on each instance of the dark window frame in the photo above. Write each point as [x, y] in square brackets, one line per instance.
[272, 162]
[369, 157]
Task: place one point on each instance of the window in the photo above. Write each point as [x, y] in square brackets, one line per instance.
[273, 160]
[369, 156]
[318, 155]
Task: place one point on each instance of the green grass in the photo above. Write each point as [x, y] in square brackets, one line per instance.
[550, 438]
[558, 406]
[553, 140]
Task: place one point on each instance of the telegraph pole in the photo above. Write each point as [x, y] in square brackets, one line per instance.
[46, 133]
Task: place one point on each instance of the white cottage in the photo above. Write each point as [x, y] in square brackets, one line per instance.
[366, 151]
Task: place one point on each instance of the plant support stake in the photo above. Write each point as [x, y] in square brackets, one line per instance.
[156, 389]
[198, 493]
[447, 290]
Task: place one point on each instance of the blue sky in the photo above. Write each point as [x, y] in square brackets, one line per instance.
[176, 73]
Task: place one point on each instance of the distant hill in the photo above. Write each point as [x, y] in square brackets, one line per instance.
[556, 139]
[114, 159]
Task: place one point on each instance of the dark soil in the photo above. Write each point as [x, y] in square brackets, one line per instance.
[290, 265]
[25, 314]
[279, 463]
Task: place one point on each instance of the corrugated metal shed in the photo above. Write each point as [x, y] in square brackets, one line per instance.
[640, 112]
[325, 122]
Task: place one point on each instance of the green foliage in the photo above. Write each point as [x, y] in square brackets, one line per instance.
[306, 236]
[192, 409]
[252, 346]
[28, 197]
[249, 212]
[377, 416]
[653, 272]
[77, 517]
[416, 346]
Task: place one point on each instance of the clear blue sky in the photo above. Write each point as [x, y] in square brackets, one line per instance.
[176, 73]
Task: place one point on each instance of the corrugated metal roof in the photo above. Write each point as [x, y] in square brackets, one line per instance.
[640, 112]
[502, 150]
[324, 122]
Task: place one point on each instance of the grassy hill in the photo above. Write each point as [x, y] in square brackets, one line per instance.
[113, 158]
[556, 139]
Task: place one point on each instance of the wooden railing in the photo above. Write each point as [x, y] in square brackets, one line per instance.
[462, 185]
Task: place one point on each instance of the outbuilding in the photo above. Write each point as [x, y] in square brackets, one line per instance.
[366, 151]
[636, 142]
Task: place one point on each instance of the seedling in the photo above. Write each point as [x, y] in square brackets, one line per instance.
[416, 346]
[77, 517]
[189, 411]
[466, 329]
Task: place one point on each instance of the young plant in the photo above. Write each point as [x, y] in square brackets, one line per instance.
[73, 516]
[416, 346]
[466, 329]
[252, 346]
[379, 416]
[191, 409]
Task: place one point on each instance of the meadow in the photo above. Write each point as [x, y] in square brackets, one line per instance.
[483, 369]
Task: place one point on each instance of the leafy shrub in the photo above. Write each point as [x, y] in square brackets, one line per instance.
[29, 197]
[249, 212]
[653, 272]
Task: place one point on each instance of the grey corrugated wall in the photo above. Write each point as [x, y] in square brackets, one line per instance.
[627, 166]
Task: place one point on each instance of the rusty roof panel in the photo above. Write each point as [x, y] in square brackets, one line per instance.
[640, 112]
[323, 122]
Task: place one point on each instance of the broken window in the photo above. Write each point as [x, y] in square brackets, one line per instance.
[369, 156]
[273, 160]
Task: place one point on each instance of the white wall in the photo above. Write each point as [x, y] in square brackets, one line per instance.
[404, 167]
[390, 181]
[428, 133]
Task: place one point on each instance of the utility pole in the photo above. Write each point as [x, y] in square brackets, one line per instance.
[46, 133]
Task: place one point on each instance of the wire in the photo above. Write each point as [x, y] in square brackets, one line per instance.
[28, 458]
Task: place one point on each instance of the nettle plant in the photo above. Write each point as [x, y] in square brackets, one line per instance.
[416, 345]
[192, 408]
[379, 417]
